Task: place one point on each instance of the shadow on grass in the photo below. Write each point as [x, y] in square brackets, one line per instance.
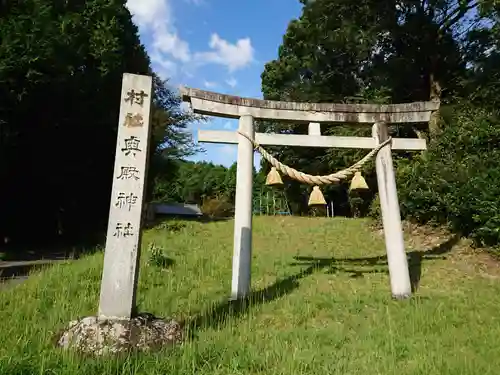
[23, 269]
[221, 313]
[19, 260]
[55, 251]
[161, 261]
[208, 219]
[165, 219]
[415, 259]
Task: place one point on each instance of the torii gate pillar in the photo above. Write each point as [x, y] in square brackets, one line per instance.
[242, 246]
[391, 217]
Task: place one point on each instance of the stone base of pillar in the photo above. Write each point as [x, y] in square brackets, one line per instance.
[98, 336]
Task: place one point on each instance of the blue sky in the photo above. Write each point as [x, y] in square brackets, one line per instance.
[216, 45]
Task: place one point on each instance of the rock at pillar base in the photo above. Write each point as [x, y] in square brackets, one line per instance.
[95, 336]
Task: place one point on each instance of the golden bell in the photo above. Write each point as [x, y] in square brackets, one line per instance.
[358, 182]
[316, 198]
[273, 177]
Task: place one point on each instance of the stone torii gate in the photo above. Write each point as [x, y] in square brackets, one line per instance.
[313, 114]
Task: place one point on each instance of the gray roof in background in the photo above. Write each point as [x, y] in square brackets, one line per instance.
[177, 209]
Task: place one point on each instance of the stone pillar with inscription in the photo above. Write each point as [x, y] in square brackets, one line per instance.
[110, 331]
[121, 259]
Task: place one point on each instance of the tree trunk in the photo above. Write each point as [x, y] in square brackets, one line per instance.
[434, 96]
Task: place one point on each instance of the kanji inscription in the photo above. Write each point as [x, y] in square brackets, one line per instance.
[123, 230]
[135, 97]
[133, 120]
[126, 200]
[128, 173]
[131, 145]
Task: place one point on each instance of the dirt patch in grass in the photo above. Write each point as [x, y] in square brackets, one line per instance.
[461, 252]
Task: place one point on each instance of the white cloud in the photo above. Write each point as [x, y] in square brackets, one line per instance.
[232, 82]
[195, 2]
[209, 84]
[150, 12]
[186, 107]
[155, 18]
[227, 154]
[166, 68]
[229, 150]
[170, 43]
[233, 56]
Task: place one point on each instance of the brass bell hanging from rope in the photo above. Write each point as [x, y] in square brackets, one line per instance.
[358, 182]
[273, 178]
[316, 198]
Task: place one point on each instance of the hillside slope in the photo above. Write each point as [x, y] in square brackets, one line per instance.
[321, 304]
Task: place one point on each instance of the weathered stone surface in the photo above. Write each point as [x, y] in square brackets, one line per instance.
[95, 336]
[121, 258]
[228, 106]
[188, 93]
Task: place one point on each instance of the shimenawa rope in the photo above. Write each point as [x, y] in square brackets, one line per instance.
[316, 180]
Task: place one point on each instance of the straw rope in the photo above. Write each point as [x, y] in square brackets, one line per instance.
[316, 180]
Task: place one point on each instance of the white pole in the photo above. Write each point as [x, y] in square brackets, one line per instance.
[314, 128]
[242, 251]
[391, 217]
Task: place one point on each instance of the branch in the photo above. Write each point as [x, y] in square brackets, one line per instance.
[454, 16]
[427, 7]
[467, 29]
[420, 134]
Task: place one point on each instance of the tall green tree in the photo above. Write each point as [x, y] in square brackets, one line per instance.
[326, 56]
[171, 140]
[374, 51]
[61, 67]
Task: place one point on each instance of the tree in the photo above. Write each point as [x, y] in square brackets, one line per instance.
[326, 56]
[61, 67]
[456, 182]
[374, 51]
[171, 140]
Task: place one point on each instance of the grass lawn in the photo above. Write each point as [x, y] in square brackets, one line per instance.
[321, 306]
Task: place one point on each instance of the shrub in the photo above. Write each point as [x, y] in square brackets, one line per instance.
[374, 210]
[457, 181]
[360, 202]
[217, 207]
[158, 257]
[317, 211]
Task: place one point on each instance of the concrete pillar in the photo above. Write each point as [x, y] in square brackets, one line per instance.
[123, 240]
[314, 128]
[242, 251]
[391, 217]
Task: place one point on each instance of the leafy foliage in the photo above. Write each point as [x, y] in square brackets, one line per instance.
[192, 182]
[456, 181]
[218, 207]
[211, 186]
[395, 52]
[61, 67]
